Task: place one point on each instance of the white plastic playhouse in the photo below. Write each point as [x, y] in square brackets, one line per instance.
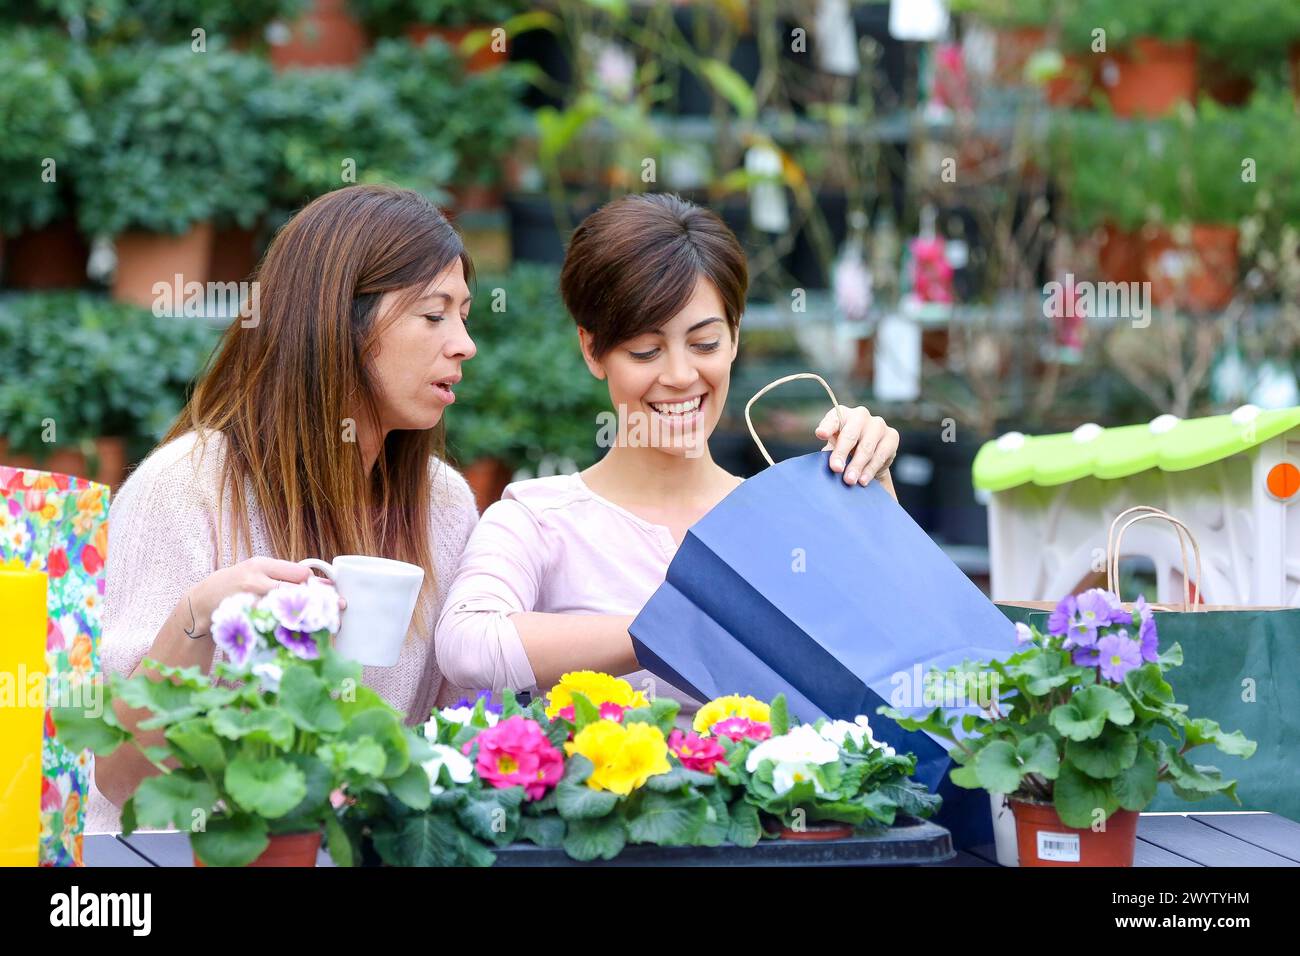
[1233, 479]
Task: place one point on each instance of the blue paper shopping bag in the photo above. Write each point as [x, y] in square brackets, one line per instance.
[831, 594]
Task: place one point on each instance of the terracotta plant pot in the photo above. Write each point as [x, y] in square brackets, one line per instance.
[822, 830]
[144, 258]
[1043, 840]
[1150, 78]
[234, 254]
[1200, 275]
[484, 58]
[1295, 69]
[488, 478]
[1014, 48]
[1225, 85]
[50, 258]
[109, 461]
[1120, 256]
[287, 849]
[326, 35]
[1072, 87]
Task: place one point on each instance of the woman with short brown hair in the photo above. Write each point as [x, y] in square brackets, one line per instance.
[557, 570]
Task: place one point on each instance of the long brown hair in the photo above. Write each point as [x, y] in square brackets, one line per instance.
[282, 391]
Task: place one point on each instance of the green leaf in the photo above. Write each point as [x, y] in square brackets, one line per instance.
[780, 716]
[411, 787]
[1150, 693]
[601, 839]
[584, 711]
[577, 801]
[231, 841]
[315, 802]
[492, 815]
[269, 788]
[384, 728]
[731, 86]
[1044, 671]
[667, 819]
[1196, 778]
[1084, 715]
[1202, 730]
[934, 722]
[966, 778]
[339, 843]
[177, 799]
[997, 768]
[1106, 756]
[306, 701]
[197, 743]
[168, 702]
[545, 831]
[258, 726]
[77, 731]
[1038, 754]
[1135, 787]
[676, 779]
[1078, 797]
[745, 829]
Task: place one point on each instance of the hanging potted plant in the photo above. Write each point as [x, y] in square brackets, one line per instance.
[257, 754]
[1022, 29]
[464, 25]
[175, 148]
[1247, 38]
[45, 129]
[1083, 730]
[1150, 51]
[1197, 180]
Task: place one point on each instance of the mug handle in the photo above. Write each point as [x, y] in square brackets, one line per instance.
[323, 566]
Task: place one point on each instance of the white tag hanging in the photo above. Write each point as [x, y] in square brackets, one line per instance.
[837, 39]
[922, 20]
[767, 206]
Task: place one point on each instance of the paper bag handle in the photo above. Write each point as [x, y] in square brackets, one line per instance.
[1145, 513]
[781, 381]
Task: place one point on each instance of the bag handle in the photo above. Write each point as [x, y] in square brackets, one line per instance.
[1145, 513]
[781, 381]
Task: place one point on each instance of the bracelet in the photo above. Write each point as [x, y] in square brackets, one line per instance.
[189, 631]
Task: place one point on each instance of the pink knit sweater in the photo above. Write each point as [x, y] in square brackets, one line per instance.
[162, 541]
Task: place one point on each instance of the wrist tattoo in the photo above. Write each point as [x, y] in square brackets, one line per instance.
[189, 631]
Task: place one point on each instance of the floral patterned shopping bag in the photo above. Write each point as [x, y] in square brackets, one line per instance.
[59, 524]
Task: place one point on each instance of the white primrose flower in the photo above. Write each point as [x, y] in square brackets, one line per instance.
[839, 731]
[268, 674]
[457, 764]
[795, 757]
[463, 715]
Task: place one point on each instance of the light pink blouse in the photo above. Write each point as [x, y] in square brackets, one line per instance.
[555, 546]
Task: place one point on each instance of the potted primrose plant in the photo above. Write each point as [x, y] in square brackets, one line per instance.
[1083, 730]
[257, 755]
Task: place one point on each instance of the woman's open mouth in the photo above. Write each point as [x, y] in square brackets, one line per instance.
[680, 414]
[443, 389]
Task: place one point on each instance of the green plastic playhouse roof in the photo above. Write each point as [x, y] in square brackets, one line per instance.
[1126, 450]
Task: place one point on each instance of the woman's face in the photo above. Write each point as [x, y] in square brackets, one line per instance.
[420, 351]
[669, 386]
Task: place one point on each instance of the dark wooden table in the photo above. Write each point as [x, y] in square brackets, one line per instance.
[1164, 839]
[1196, 839]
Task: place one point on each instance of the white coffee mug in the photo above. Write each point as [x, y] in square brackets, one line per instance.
[381, 596]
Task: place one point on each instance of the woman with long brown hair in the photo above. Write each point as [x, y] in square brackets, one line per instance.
[316, 431]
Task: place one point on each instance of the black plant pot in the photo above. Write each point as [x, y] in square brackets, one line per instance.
[694, 95]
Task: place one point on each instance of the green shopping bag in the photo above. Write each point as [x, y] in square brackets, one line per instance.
[1241, 668]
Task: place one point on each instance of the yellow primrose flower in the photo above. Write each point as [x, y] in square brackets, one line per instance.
[623, 757]
[596, 687]
[733, 705]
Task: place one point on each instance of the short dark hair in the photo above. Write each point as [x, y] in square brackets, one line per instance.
[633, 264]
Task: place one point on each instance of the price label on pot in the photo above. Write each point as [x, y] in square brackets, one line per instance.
[1060, 847]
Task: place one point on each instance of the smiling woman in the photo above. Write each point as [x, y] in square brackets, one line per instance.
[556, 571]
[316, 432]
